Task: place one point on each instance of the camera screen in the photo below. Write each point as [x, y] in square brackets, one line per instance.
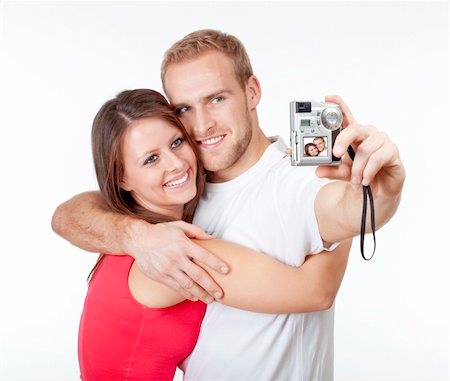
[315, 146]
[305, 122]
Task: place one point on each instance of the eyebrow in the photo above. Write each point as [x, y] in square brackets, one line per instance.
[216, 93]
[204, 98]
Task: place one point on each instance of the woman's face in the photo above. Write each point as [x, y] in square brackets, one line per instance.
[312, 150]
[160, 168]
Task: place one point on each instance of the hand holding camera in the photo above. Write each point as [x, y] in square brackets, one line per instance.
[377, 160]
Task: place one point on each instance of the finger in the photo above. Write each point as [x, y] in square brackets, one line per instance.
[339, 172]
[186, 285]
[347, 114]
[205, 257]
[175, 285]
[352, 135]
[199, 283]
[201, 277]
[363, 154]
[191, 230]
[377, 161]
[160, 274]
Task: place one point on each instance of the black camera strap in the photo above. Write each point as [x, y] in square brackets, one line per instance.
[367, 194]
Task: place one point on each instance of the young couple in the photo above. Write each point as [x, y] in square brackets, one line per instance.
[316, 148]
[270, 321]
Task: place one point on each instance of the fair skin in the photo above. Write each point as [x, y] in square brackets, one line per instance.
[160, 175]
[214, 108]
[160, 171]
[320, 144]
[311, 287]
[312, 150]
[196, 88]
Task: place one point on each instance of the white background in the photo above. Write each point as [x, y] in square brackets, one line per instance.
[61, 61]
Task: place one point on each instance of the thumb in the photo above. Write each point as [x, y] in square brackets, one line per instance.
[341, 172]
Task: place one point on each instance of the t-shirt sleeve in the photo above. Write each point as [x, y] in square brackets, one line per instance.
[297, 188]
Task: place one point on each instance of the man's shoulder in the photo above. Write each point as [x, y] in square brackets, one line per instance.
[282, 169]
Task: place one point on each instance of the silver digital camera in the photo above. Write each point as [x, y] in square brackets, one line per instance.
[314, 128]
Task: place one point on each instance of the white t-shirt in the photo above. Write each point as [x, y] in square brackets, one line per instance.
[269, 208]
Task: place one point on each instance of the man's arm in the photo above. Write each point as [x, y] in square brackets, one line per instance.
[86, 221]
[377, 163]
[163, 251]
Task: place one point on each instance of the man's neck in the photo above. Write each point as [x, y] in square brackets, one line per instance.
[249, 158]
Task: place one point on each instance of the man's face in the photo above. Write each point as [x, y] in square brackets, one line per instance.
[320, 144]
[213, 107]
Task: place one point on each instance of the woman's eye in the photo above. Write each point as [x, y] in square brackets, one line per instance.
[177, 142]
[151, 159]
[217, 99]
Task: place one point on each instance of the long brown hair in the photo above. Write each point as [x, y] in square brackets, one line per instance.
[108, 129]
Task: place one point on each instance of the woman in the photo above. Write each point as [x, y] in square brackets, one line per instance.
[133, 328]
[311, 150]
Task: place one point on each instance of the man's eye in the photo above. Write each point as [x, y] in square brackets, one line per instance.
[182, 110]
[217, 99]
[151, 159]
[177, 142]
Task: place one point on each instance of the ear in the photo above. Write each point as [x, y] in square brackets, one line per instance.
[123, 184]
[253, 92]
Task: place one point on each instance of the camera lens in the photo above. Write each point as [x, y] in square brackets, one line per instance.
[303, 106]
[331, 118]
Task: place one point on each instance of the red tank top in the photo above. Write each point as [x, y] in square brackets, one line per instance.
[121, 339]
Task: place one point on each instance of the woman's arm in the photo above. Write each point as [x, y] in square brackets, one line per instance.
[260, 283]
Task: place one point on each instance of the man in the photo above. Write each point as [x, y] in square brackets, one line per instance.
[254, 197]
[321, 146]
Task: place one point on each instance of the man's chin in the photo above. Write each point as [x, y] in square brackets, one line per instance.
[215, 167]
[216, 164]
[212, 161]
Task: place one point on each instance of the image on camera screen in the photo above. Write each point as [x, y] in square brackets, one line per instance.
[315, 146]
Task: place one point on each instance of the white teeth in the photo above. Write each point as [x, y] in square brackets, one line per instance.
[213, 140]
[177, 182]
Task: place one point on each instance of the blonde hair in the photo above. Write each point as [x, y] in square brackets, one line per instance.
[201, 41]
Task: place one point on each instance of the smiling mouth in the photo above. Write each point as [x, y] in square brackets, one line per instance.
[178, 182]
[211, 142]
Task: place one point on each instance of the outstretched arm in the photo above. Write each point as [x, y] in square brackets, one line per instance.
[258, 282]
[162, 251]
[377, 163]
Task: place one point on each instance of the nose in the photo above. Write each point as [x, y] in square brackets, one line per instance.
[202, 122]
[173, 162]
